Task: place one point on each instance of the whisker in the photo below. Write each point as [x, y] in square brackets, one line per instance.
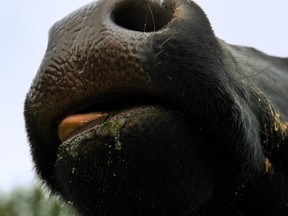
[264, 133]
[266, 152]
[164, 212]
[225, 167]
[254, 75]
[152, 16]
[165, 41]
[119, 187]
[159, 53]
[230, 204]
[230, 186]
[248, 76]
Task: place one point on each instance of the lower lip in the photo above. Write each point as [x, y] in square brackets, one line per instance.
[125, 146]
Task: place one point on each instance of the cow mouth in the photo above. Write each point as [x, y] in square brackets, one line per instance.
[88, 116]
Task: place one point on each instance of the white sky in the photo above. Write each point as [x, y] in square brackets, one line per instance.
[24, 29]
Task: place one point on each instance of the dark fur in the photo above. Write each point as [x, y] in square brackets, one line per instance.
[201, 123]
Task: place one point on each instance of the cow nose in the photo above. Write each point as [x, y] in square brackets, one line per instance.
[141, 16]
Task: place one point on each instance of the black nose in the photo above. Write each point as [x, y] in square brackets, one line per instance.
[142, 16]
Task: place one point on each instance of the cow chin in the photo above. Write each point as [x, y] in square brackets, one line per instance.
[144, 158]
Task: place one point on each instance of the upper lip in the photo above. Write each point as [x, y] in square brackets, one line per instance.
[116, 103]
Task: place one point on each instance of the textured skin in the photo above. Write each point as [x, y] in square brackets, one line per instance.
[194, 126]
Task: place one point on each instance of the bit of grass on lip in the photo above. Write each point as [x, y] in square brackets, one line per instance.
[112, 127]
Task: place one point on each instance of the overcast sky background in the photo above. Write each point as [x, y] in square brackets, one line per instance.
[24, 29]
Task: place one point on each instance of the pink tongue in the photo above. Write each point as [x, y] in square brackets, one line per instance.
[71, 123]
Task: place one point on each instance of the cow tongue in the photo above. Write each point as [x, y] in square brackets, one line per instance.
[72, 123]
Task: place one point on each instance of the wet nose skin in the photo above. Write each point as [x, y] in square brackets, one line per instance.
[166, 52]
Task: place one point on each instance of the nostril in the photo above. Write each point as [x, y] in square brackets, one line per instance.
[143, 16]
